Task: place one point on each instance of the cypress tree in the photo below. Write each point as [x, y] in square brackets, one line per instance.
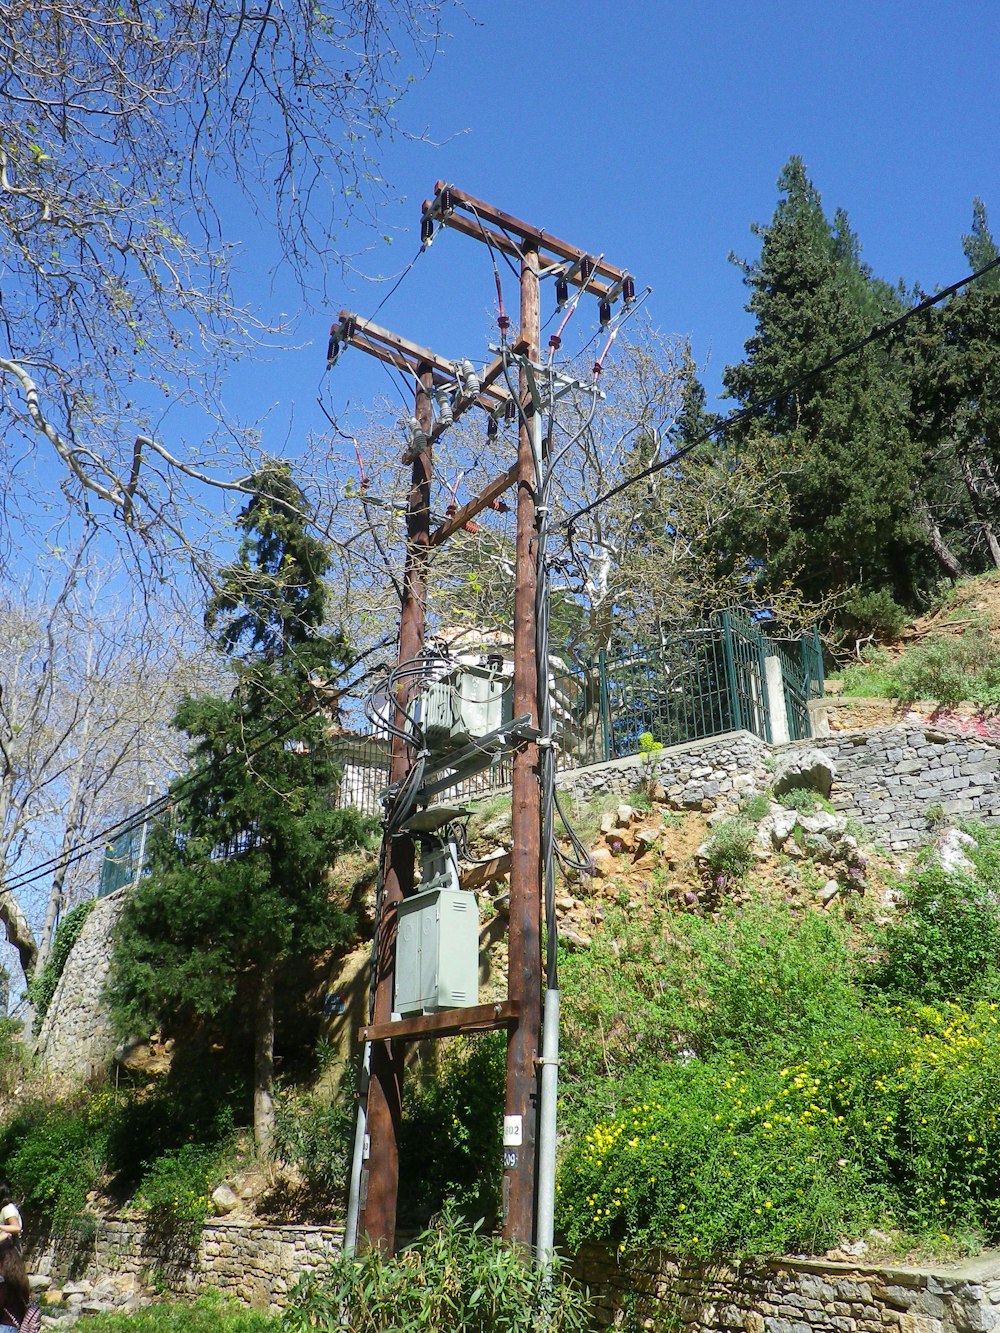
[850, 466]
[238, 882]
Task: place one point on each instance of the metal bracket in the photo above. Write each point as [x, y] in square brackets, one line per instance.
[473, 759]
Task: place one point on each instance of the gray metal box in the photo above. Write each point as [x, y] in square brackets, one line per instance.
[462, 705]
[437, 952]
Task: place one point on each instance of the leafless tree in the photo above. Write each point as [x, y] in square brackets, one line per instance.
[87, 691]
[130, 135]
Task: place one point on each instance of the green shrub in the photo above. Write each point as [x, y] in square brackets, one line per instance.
[945, 942]
[893, 1122]
[871, 612]
[54, 1153]
[453, 1277]
[871, 678]
[951, 670]
[210, 1313]
[755, 807]
[727, 851]
[316, 1137]
[175, 1190]
[42, 985]
[804, 801]
[452, 1138]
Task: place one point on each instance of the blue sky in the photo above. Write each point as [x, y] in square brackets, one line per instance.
[655, 133]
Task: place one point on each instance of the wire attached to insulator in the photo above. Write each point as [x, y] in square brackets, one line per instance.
[445, 411]
[599, 363]
[426, 232]
[333, 346]
[503, 319]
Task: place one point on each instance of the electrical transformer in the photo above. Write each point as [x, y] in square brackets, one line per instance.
[437, 952]
[462, 704]
[437, 939]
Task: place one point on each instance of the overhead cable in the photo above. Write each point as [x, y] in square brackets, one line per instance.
[761, 404]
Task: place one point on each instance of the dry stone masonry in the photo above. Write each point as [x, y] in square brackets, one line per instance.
[894, 780]
[255, 1263]
[791, 1296]
[76, 1039]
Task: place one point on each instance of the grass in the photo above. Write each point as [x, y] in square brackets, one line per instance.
[210, 1313]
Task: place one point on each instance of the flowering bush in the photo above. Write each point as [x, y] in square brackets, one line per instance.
[896, 1123]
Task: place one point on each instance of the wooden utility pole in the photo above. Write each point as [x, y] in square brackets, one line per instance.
[380, 1176]
[521, 1014]
[524, 973]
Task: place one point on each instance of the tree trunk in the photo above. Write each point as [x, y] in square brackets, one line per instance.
[19, 932]
[945, 557]
[263, 1062]
[982, 516]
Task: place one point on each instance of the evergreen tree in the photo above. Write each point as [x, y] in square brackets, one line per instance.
[955, 408]
[238, 881]
[851, 467]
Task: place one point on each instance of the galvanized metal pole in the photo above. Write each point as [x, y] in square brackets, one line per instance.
[380, 1179]
[525, 954]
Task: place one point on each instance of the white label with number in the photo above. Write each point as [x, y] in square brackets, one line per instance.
[513, 1133]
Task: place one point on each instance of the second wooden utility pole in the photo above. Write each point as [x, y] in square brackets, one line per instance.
[380, 1177]
[525, 939]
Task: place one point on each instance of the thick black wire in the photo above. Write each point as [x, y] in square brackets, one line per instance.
[188, 785]
[761, 404]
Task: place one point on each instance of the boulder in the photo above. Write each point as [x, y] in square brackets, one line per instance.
[811, 769]
[225, 1199]
[950, 850]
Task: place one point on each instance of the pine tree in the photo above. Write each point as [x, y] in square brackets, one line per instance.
[238, 881]
[851, 467]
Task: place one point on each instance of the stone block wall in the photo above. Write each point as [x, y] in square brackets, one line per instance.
[76, 1039]
[699, 775]
[790, 1296]
[255, 1263]
[891, 777]
[888, 778]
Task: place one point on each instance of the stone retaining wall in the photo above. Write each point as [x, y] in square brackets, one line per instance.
[76, 1040]
[256, 1263]
[791, 1296]
[888, 779]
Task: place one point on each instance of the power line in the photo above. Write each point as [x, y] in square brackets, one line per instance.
[745, 413]
[189, 785]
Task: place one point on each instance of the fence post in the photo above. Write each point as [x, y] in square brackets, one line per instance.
[602, 694]
[729, 656]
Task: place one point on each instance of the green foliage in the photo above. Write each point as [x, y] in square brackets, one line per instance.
[951, 670]
[946, 943]
[848, 512]
[54, 1153]
[42, 985]
[315, 1136]
[891, 1121]
[210, 1313]
[946, 669]
[453, 1130]
[801, 1084]
[754, 808]
[175, 1191]
[453, 1277]
[727, 851]
[804, 801]
[871, 611]
[238, 879]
